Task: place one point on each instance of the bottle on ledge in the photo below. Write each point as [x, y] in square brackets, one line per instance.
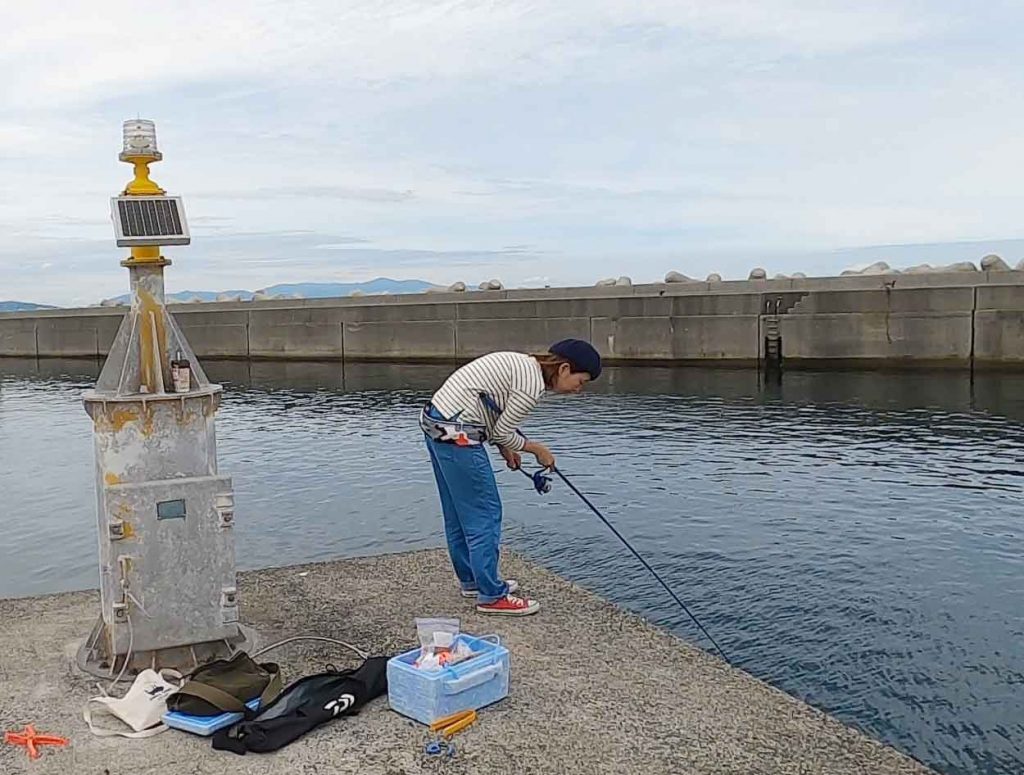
[181, 373]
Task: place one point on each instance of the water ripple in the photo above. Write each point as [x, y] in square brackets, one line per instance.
[854, 539]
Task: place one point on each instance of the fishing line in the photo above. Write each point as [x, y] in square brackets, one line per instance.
[542, 484]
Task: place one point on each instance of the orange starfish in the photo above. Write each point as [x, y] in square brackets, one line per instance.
[31, 739]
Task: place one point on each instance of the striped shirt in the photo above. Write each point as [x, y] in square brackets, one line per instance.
[514, 382]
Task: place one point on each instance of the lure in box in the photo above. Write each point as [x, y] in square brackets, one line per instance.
[428, 695]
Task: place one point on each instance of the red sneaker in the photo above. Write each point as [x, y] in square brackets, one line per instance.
[510, 605]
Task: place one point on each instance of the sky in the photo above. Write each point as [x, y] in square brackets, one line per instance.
[534, 142]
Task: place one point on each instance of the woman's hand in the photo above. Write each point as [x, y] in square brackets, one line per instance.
[544, 457]
[512, 459]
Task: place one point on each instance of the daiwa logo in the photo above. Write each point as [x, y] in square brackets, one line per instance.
[340, 705]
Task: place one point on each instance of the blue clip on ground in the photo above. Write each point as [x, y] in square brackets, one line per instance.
[437, 748]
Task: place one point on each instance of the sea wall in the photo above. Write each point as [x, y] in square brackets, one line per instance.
[958, 320]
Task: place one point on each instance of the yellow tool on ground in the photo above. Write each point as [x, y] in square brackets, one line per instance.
[450, 725]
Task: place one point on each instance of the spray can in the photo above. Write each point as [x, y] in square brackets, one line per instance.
[181, 373]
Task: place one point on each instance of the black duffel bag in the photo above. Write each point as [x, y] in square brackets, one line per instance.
[304, 705]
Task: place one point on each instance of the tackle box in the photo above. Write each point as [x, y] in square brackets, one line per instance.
[428, 695]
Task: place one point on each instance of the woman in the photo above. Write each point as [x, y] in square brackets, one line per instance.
[484, 402]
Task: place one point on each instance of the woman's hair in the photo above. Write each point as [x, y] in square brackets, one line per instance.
[549, 365]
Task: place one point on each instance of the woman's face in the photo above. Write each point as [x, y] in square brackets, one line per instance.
[569, 381]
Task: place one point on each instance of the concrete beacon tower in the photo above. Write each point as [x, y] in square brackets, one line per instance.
[165, 514]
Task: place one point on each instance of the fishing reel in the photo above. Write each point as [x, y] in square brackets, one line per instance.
[541, 483]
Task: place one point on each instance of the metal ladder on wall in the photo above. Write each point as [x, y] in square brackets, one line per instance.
[772, 333]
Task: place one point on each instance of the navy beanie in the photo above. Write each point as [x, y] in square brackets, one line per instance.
[581, 355]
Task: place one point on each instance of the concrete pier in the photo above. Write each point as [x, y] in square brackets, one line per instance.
[958, 321]
[594, 689]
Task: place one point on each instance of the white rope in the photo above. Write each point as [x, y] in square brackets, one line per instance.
[362, 654]
[127, 656]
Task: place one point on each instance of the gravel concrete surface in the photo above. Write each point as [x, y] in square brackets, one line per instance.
[580, 702]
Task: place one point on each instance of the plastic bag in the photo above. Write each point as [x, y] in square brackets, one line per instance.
[440, 645]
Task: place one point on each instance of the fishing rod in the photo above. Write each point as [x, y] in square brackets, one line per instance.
[542, 484]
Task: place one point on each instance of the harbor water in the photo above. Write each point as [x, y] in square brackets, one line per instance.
[856, 539]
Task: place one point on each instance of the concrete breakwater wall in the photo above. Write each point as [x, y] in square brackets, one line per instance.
[956, 320]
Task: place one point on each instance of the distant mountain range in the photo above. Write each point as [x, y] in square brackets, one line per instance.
[378, 285]
[21, 306]
[305, 290]
[330, 290]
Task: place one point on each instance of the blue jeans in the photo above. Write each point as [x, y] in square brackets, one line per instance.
[472, 516]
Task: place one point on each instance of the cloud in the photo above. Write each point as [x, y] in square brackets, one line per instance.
[82, 272]
[310, 192]
[309, 136]
[79, 56]
[211, 219]
[339, 243]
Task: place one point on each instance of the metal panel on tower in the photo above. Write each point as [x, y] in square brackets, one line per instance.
[149, 220]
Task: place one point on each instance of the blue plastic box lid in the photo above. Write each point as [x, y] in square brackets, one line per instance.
[205, 725]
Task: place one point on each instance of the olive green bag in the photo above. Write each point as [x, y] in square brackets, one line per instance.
[225, 685]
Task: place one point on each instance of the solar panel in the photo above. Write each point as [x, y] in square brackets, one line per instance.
[149, 220]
